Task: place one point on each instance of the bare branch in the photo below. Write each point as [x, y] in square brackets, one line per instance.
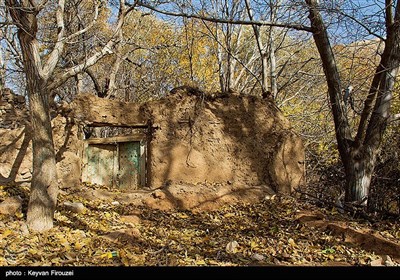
[261, 49]
[394, 118]
[359, 22]
[222, 20]
[389, 12]
[54, 56]
[40, 6]
[107, 49]
[115, 68]
[89, 26]
[97, 87]
[368, 105]
[331, 72]
[380, 90]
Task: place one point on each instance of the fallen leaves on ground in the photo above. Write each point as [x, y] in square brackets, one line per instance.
[265, 233]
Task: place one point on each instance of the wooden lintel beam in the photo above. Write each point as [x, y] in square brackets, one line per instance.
[116, 139]
[133, 125]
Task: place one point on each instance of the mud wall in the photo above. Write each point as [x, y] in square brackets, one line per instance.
[16, 153]
[227, 140]
[192, 138]
[13, 111]
[16, 144]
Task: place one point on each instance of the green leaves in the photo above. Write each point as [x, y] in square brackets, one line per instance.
[328, 251]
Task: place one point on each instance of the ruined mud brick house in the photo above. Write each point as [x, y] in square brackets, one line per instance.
[187, 137]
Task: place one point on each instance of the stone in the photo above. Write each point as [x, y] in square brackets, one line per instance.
[11, 205]
[231, 247]
[24, 228]
[76, 207]
[130, 219]
[159, 194]
[257, 257]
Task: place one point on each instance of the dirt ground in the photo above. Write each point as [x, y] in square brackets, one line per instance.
[379, 238]
[97, 226]
[199, 197]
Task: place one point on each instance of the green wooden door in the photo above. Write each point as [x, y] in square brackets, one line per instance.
[129, 165]
[101, 164]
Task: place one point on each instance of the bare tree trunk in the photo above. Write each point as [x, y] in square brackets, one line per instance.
[359, 155]
[357, 179]
[264, 72]
[261, 50]
[369, 137]
[221, 75]
[229, 59]
[41, 81]
[271, 49]
[189, 45]
[44, 189]
[79, 83]
[272, 60]
[2, 74]
[359, 167]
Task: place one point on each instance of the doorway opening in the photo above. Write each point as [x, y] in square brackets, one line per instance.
[118, 161]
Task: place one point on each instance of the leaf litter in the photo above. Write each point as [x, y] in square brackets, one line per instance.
[266, 233]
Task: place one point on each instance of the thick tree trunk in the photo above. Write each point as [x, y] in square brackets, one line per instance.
[369, 137]
[41, 80]
[359, 167]
[359, 155]
[44, 189]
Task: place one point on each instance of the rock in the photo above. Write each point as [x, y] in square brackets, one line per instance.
[24, 229]
[387, 260]
[377, 262]
[231, 247]
[158, 194]
[383, 260]
[11, 205]
[131, 219]
[269, 197]
[123, 234]
[76, 207]
[257, 257]
[306, 216]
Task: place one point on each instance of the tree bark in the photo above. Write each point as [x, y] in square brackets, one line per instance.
[359, 167]
[44, 188]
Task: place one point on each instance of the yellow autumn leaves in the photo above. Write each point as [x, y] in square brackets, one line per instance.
[265, 233]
